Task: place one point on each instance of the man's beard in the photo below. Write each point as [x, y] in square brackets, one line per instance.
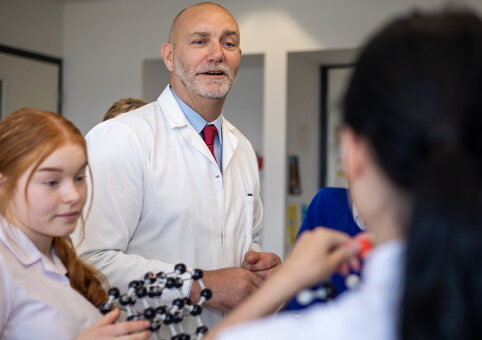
[214, 88]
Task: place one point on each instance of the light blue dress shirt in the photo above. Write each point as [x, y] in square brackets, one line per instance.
[198, 124]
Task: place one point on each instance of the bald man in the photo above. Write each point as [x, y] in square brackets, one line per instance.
[164, 193]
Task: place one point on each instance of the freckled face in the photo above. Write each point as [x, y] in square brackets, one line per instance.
[206, 53]
[56, 196]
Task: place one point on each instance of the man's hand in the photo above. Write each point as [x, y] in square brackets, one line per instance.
[261, 264]
[230, 286]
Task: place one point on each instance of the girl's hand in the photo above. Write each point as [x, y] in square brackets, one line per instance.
[362, 245]
[105, 329]
[319, 253]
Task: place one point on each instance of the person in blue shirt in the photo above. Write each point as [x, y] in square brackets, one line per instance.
[331, 208]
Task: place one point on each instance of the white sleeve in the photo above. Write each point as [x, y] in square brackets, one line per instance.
[119, 161]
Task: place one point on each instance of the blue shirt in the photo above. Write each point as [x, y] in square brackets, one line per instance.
[198, 124]
[329, 208]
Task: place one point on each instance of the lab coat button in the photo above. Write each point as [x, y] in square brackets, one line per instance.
[217, 176]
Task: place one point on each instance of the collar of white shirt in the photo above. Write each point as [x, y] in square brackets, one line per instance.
[25, 251]
[358, 219]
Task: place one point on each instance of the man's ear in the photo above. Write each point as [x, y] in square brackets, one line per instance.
[167, 56]
[355, 153]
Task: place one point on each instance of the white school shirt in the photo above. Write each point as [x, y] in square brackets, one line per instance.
[36, 299]
[161, 199]
[367, 313]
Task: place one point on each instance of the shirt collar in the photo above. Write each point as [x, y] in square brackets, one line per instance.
[25, 251]
[358, 219]
[195, 118]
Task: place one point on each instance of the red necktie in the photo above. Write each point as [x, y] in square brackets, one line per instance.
[209, 133]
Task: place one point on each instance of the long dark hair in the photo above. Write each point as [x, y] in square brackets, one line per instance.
[416, 95]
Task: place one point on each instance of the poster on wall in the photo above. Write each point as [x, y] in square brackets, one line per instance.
[292, 225]
[334, 79]
[295, 215]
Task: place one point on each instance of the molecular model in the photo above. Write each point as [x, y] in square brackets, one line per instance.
[148, 292]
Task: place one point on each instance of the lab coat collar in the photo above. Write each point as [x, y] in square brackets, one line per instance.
[195, 119]
[177, 119]
[174, 116]
[230, 143]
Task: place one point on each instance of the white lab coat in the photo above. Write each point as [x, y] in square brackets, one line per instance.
[161, 199]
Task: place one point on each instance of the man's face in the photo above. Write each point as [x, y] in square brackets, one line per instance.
[206, 53]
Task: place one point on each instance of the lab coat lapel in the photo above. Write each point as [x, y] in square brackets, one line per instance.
[198, 143]
[177, 120]
[230, 143]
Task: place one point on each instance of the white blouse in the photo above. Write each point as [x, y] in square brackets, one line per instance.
[37, 301]
[368, 312]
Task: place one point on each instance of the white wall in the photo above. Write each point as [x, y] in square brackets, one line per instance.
[244, 104]
[33, 25]
[36, 26]
[303, 123]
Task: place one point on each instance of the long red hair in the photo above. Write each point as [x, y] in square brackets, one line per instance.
[27, 138]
